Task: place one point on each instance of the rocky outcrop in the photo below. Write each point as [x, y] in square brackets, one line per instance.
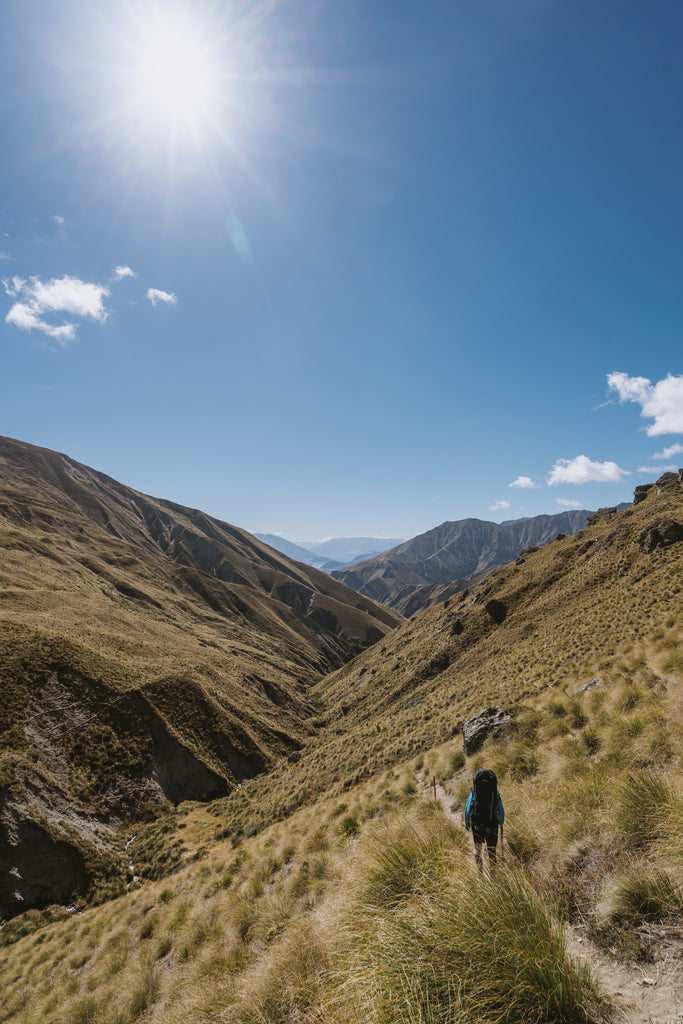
[41, 865]
[497, 611]
[641, 492]
[493, 721]
[660, 535]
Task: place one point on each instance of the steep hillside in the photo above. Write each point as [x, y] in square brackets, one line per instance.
[337, 889]
[578, 608]
[444, 560]
[148, 652]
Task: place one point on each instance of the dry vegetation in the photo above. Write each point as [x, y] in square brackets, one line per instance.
[335, 890]
[367, 908]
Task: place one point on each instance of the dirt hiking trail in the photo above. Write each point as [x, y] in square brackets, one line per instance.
[649, 993]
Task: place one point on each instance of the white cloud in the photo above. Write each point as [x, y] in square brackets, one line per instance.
[499, 505]
[661, 402]
[523, 481]
[668, 453]
[582, 471]
[656, 469]
[58, 219]
[156, 295]
[59, 295]
[27, 319]
[121, 272]
[568, 503]
[5, 256]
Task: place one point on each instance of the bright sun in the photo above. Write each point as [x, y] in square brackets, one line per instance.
[174, 80]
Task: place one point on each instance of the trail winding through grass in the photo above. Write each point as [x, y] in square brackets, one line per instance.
[648, 993]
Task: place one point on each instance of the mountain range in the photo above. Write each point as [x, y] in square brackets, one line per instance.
[335, 553]
[151, 653]
[447, 559]
[249, 788]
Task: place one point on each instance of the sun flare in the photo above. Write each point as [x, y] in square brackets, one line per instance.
[174, 77]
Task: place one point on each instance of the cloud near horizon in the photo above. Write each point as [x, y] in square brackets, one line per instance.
[661, 402]
[156, 295]
[66, 294]
[657, 469]
[499, 505]
[667, 453]
[582, 470]
[568, 503]
[524, 482]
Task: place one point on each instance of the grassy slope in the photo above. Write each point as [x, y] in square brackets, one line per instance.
[138, 593]
[145, 649]
[576, 609]
[302, 922]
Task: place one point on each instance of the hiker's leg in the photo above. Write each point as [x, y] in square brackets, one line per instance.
[477, 853]
[491, 849]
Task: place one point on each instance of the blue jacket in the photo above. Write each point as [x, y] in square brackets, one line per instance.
[500, 813]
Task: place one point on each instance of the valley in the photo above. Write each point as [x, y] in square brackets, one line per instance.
[266, 764]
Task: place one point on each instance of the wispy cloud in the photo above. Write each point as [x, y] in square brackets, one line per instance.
[121, 272]
[661, 402]
[500, 505]
[5, 256]
[524, 482]
[568, 503]
[656, 469]
[58, 219]
[582, 470]
[37, 298]
[668, 453]
[156, 295]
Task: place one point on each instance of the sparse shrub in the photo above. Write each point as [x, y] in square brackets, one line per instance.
[403, 859]
[643, 804]
[639, 895]
[577, 715]
[146, 991]
[85, 1011]
[291, 985]
[349, 825]
[148, 926]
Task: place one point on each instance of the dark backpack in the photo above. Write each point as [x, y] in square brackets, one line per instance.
[484, 800]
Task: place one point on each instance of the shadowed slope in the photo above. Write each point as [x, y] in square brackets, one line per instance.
[147, 651]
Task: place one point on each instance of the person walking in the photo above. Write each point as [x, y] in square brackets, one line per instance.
[484, 813]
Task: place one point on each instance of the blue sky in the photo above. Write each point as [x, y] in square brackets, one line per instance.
[337, 269]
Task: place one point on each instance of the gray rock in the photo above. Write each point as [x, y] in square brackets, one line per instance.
[660, 536]
[497, 611]
[641, 492]
[588, 686]
[493, 721]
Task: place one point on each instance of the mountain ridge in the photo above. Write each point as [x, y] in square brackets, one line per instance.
[452, 555]
[187, 648]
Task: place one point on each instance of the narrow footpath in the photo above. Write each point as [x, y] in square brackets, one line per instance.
[639, 994]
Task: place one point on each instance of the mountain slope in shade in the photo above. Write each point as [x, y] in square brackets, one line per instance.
[147, 652]
[413, 575]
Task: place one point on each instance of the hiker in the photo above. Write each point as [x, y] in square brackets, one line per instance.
[484, 813]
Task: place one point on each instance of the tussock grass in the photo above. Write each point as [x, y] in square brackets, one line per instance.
[470, 947]
[643, 805]
[642, 894]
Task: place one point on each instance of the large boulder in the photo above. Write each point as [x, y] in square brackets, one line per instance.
[490, 722]
[660, 535]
